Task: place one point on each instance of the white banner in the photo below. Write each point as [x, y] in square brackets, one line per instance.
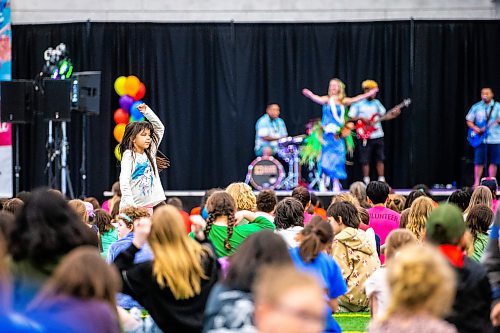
[5, 75]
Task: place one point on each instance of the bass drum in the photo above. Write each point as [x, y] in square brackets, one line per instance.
[265, 173]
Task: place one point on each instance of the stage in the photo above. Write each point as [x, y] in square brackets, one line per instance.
[193, 198]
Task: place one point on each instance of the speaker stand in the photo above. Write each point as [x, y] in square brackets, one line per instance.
[17, 166]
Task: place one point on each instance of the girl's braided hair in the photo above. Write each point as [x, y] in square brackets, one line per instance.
[221, 204]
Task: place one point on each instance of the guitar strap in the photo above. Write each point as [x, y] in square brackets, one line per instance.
[489, 114]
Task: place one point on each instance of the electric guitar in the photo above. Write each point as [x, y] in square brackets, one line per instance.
[364, 131]
[475, 139]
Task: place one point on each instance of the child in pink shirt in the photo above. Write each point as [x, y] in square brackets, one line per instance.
[382, 219]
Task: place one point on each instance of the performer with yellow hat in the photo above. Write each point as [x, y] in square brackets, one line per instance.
[366, 111]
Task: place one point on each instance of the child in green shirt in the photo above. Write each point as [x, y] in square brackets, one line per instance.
[222, 227]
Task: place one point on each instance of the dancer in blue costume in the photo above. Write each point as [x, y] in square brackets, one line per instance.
[332, 160]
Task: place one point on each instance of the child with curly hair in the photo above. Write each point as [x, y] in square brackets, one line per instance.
[243, 196]
[125, 220]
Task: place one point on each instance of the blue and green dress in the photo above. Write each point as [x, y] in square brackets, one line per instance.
[334, 150]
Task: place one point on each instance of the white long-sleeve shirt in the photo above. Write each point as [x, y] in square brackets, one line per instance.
[139, 184]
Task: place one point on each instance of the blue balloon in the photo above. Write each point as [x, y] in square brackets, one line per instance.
[132, 119]
[134, 111]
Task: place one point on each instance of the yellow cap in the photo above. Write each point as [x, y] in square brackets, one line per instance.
[369, 84]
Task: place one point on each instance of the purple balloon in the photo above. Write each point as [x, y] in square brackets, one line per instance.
[126, 102]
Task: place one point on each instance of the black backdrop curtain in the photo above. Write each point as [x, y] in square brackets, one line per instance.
[210, 82]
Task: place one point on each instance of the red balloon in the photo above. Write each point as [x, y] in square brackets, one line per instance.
[141, 92]
[121, 116]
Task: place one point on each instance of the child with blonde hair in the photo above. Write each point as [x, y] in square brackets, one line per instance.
[376, 286]
[481, 195]
[346, 197]
[243, 196]
[422, 286]
[174, 285]
[417, 217]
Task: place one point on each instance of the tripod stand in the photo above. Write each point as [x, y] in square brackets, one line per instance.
[289, 152]
[57, 158]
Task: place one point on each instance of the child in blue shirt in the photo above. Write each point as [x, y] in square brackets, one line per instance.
[316, 237]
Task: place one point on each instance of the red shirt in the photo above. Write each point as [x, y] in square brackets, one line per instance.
[187, 220]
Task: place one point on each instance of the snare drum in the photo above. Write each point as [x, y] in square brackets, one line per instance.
[265, 173]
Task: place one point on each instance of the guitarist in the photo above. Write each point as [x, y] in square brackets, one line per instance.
[364, 110]
[485, 112]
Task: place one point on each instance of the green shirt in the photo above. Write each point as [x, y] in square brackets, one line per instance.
[479, 247]
[107, 239]
[218, 235]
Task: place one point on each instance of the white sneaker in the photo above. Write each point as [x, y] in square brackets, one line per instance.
[366, 180]
[381, 179]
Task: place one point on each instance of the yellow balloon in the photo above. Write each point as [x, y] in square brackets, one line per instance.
[132, 85]
[117, 152]
[118, 132]
[120, 85]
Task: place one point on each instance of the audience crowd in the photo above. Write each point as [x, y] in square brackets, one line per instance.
[249, 262]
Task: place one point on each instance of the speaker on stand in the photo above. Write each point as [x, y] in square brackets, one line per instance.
[55, 105]
[16, 108]
[86, 97]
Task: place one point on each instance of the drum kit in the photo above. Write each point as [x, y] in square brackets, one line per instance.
[267, 172]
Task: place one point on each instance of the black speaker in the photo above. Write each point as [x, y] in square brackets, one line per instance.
[86, 92]
[16, 101]
[56, 99]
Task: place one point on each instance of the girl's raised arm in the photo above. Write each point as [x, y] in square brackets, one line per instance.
[154, 120]
[315, 98]
[350, 100]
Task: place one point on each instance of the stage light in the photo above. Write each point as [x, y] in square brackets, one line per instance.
[57, 63]
[65, 69]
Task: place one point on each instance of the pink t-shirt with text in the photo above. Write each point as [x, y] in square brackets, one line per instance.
[383, 220]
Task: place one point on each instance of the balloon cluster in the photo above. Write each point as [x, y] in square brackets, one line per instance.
[131, 90]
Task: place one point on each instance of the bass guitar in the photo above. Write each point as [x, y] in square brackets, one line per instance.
[364, 131]
[475, 139]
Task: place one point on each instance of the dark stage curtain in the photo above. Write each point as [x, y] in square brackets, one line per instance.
[210, 82]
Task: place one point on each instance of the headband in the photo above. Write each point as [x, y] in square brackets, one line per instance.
[125, 217]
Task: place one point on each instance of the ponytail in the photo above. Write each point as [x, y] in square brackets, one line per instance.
[315, 237]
